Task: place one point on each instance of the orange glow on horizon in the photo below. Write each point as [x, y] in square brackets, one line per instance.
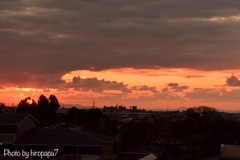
[157, 79]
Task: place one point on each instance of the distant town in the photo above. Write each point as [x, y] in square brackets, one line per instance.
[45, 130]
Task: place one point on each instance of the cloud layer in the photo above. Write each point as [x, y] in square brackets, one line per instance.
[41, 40]
[40, 36]
[233, 81]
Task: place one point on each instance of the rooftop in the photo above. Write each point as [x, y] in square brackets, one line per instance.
[13, 118]
[59, 137]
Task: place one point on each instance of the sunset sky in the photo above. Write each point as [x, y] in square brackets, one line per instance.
[155, 54]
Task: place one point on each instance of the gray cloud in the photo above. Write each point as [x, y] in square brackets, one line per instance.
[203, 94]
[181, 88]
[24, 79]
[193, 76]
[173, 85]
[210, 94]
[52, 37]
[145, 88]
[165, 89]
[95, 85]
[176, 87]
[233, 81]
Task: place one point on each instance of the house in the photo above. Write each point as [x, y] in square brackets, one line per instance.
[136, 156]
[140, 152]
[15, 125]
[230, 152]
[71, 144]
[149, 157]
[20, 132]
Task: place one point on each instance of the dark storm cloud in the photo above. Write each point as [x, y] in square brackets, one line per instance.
[55, 37]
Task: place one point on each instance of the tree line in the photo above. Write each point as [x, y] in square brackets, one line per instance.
[43, 107]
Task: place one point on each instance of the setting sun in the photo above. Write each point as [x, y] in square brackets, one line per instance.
[29, 101]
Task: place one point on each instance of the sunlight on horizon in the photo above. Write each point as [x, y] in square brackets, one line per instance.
[156, 92]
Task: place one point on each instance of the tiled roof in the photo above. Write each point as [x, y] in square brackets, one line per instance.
[63, 136]
[11, 118]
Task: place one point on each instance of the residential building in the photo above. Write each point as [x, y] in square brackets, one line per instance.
[14, 126]
[230, 152]
[20, 132]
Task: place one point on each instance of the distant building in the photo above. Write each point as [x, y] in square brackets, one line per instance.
[62, 111]
[133, 108]
[122, 108]
[110, 109]
[114, 108]
[8, 109]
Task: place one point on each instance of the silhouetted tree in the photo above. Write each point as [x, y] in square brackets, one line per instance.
[53, 103]
[43, 105]
[2, 105]
[27, 105]
[47, 107]
[201, 112]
